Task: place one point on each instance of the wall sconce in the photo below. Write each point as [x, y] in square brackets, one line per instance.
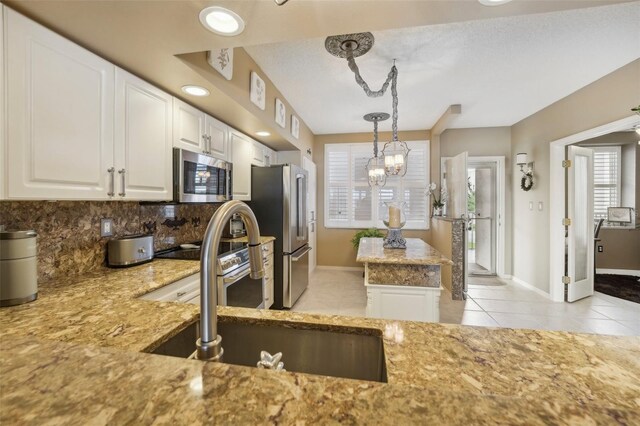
[526, 183]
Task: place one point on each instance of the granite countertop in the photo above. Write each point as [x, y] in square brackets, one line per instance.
[418, 252]
[73, 356]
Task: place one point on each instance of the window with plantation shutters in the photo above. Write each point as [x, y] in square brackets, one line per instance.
[351, 203]
[606, 179]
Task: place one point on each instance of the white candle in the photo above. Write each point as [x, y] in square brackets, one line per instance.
[394, 217]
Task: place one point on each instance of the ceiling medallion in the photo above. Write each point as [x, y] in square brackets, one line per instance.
[358, 44]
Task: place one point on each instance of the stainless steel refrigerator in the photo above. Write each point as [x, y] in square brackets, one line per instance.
[279, 201]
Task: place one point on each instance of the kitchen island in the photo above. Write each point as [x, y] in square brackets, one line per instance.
[75, 355]
[402, 284]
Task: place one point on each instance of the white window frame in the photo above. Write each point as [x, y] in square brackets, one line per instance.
[618, 184]
[375, 222]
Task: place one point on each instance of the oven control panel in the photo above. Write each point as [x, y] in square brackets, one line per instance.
[232, 261]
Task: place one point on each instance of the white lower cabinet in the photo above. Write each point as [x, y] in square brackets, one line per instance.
[402, 302]
[60, 115]
[143, 145]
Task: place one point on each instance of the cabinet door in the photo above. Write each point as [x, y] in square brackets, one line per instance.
[188, 127]
[310, 167]
[143, 148]
[217, 133]
[59, 115]
[242, 153]
[269, 157]
[258, 154]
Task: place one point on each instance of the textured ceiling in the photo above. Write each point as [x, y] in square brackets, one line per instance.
[501, 70]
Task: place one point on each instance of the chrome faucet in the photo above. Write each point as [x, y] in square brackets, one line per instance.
[209, 347]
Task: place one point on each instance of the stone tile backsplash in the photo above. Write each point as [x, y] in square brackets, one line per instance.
[69, 241]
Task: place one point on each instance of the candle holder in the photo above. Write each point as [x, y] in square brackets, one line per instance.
[394, 219]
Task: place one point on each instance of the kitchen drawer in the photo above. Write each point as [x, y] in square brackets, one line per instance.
[267, 249]
[179, 291]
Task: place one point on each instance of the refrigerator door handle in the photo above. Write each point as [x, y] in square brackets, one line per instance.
[301, 206]
[301, 255]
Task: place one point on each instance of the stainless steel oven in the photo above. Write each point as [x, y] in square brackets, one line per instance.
[199, 178]
[235, 286]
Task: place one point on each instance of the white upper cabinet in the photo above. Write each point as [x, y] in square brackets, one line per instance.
[143, 140]
[217, 136]
[242, 152]
[60, 115]
[258, 154]
[189, 127]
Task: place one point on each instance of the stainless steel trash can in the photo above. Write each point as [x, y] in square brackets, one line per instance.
[18, 267]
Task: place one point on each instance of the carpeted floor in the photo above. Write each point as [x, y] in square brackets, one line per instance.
[623, 286]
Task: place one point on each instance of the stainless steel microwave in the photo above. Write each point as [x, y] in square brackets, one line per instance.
[200, 178]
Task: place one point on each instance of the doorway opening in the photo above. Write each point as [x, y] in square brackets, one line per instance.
[485, 212]
[483, 217]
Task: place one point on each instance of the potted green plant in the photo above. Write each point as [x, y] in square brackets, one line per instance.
[365, 233]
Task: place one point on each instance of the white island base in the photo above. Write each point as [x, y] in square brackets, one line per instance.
[402, 284]
[410, 303]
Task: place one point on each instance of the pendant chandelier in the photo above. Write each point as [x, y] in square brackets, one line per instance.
[375, 165]
[350, 46]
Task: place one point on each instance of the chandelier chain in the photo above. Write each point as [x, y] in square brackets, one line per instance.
[375, 138]
[370, 93]
[394, 102]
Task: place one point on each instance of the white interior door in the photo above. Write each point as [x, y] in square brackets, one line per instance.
[580, 231]
[455, 179]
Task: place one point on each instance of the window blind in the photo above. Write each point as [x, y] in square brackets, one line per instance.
[351, 203]
[606, 179]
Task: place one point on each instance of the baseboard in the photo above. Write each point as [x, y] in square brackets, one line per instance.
[530, 287]
[505, 276]
[632, 272]
[341, 268]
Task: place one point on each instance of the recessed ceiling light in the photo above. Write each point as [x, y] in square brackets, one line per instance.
[263, 133]
[493, 2]
[195, 90]
[221, 21]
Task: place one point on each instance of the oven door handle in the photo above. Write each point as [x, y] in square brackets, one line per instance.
[236, 277]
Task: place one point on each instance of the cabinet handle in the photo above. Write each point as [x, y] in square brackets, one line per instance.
[209, 144]
[121, 172]
[112, 182]
[206, 144]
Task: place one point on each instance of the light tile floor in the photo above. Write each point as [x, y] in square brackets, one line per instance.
[492, 302]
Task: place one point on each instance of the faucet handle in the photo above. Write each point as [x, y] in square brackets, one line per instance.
[271, 362]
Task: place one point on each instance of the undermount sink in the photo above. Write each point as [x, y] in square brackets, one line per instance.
[329, 353]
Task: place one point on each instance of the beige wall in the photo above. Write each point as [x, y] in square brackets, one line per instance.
[603, 101]
[486, 141]
[334, 245]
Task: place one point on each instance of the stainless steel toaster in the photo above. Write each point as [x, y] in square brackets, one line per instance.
[129, 250]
